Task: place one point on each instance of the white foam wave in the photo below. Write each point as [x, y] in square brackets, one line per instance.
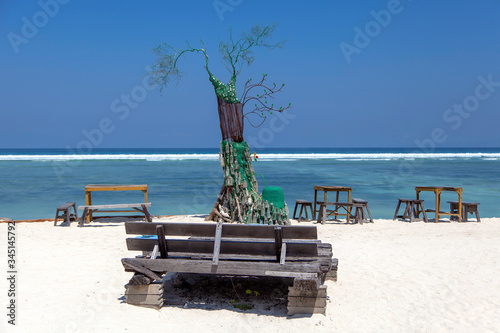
[262, 157]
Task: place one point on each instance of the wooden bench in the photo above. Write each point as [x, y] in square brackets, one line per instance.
[236, 250]
[139, 207]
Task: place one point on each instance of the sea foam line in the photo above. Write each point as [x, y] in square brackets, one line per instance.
[262, 157]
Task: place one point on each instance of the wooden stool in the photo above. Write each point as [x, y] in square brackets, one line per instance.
[65, 209]
[359, 214]
[303, 207]
[467, 207]
[410, 210]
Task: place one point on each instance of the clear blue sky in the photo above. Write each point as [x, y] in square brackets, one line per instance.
[358, 73]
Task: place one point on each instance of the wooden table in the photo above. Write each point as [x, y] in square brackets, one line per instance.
[327, 189]
[94, 187]
[437, 192]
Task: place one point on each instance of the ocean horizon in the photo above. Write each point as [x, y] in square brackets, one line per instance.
[187, 180]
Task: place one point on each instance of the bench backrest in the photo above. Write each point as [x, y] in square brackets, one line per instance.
[236, 239]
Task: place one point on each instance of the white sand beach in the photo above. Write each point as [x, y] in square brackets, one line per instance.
[393, 276]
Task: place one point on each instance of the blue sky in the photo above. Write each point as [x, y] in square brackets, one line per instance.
[358, 73]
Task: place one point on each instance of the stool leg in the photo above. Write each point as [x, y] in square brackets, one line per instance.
[57, 215]
[397, 210]
[67, 215]
[423, 211]
[76, 213]
[413, 212]
[464, 214]
[323, 214]
[359, 214]
[312, 213]
[406, 214]
[295, 210]
[477, 215]
[300, 213]
[369, 214]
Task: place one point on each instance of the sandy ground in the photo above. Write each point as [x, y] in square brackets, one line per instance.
[393, 277]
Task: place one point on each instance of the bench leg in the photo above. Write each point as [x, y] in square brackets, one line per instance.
[84, 216]
[146, 213]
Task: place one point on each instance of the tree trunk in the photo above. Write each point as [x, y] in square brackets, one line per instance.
[231, 120]
[239, 199]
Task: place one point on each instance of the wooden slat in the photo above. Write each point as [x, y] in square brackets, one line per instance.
[227, 247]
[229, 230]
[301, 301]
[147, 204]
[162, 243]
[320, 292]
[217, 243]
[153, 288]
[305, 310]
[224, 267]
[111, 187]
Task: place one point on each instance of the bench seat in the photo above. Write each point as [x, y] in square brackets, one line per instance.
[115, 208]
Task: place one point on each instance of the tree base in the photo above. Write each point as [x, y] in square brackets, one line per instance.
[239, 200]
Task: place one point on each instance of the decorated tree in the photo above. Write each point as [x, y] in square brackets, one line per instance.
[239, 199]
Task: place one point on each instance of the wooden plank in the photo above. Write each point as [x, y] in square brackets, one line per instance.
[278, 241]
[226, 247]
[66, 205]
[283, 254]
[217, 243]
[320, 292]
[140, 279]
[162, 243]
[139, 205]
[292, 274]
[306, 284]
[294, 310]
[204, 229]
[98, 187]
[153, 301]
[153, 288]
[303, 301]
[154, 253]
[224, 267]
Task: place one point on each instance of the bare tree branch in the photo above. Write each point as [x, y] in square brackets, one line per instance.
[262, 107]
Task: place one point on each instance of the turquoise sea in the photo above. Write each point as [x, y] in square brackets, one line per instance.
[33, 182]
